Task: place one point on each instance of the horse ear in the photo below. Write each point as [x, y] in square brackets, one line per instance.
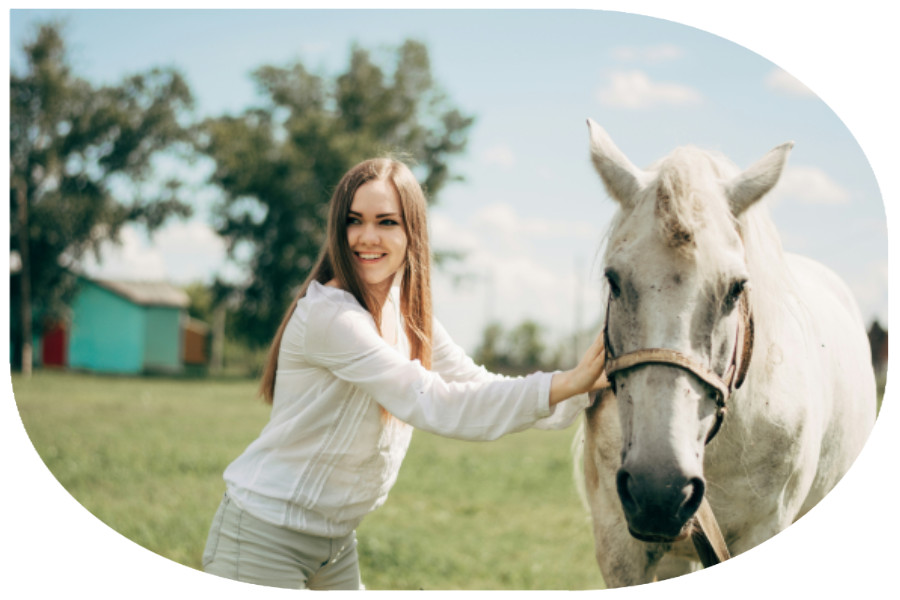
[621, 178]
[754, 183]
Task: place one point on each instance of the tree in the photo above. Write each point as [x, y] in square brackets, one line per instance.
[278, 163]
[490, 352]
[526, 347]
[71, 145]
[518, 351]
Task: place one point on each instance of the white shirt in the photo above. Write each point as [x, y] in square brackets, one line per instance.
[328, 456]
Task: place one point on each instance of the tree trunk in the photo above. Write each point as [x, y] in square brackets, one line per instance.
[216, 362]
[25, 279]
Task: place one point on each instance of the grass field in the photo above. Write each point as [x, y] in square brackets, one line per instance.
[146, 457]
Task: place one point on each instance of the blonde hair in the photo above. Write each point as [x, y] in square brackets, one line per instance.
[335, 261]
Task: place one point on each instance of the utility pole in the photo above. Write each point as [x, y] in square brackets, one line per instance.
[217, 353]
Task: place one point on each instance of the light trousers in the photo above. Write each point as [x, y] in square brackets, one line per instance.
[244, 548]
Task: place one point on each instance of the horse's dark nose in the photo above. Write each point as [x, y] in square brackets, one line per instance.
[656, 509]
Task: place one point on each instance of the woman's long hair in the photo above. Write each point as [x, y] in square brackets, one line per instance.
[336, 262]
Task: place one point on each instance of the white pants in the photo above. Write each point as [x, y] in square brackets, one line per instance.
[244, 548]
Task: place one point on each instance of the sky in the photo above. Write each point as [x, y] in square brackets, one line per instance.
[531, 213]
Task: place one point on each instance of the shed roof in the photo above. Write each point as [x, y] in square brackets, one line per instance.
[147, 293]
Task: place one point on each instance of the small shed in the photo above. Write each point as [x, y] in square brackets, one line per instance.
[128, 327]
[196, 343]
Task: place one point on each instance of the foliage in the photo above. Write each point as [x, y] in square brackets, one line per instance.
[77, 152]
[201, 300]
[278, 163]
[520, 350]
[146, 457]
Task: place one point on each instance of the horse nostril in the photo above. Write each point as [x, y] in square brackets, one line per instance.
[623, 485]
[693, 491]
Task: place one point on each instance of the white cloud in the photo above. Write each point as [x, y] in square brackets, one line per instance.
[315, 48]
[516, 272]
[783, 82]
[648, 54]
[191, 251]
[501, 221]
[635, 90]
[510, 289]
[500, 155]
[809, 185]
[447, 234]
[180, 253]
[132, 259]
[870, 287]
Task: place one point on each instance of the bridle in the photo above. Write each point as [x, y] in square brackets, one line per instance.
[723, 385]
[706, 535]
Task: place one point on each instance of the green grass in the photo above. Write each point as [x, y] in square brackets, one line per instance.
[146, 455]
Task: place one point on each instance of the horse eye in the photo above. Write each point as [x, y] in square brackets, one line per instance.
[737, 288]
[613, 279]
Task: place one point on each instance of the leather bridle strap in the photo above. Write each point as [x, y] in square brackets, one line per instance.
[707, 537]
[664, 356]
[670, 357]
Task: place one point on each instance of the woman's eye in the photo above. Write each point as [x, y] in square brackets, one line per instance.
[389, 222]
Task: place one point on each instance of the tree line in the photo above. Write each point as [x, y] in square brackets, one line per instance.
[82, 166]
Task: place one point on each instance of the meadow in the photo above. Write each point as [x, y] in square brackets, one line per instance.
[146, 455]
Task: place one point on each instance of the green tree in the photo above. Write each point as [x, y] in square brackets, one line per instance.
[517, 351]
[72, 145]
[526, 347]
[490, 352]
[278, 163]
[201, 301]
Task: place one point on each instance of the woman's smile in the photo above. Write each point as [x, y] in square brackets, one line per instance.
[369, 256]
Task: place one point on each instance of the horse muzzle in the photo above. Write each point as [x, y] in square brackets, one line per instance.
[658, 511]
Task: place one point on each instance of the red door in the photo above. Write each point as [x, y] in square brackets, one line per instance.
[53, 346]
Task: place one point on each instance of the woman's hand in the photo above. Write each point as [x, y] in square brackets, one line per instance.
[588, 376]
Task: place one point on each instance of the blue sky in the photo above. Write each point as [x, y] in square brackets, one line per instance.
[533, 208]
[531, 212]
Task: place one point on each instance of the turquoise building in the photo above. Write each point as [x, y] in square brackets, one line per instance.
[127, 327]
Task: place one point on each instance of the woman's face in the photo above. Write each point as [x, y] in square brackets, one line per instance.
[376, 234]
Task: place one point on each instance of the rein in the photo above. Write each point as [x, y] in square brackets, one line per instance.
[706, 535]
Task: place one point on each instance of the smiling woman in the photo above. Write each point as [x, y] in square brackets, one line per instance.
[358, 362]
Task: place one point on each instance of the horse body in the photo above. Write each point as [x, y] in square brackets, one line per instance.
[689, 241]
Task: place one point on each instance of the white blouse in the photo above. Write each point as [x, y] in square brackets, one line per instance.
[328, 455]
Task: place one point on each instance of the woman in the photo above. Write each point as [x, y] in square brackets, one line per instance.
[357, 363]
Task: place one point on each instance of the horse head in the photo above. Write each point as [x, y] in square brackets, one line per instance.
[677, 275]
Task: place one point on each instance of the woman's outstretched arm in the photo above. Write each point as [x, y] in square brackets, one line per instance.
[587, 376]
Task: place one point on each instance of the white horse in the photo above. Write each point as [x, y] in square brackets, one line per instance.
[690, 249]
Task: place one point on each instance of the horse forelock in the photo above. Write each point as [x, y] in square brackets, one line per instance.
[689, 196]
